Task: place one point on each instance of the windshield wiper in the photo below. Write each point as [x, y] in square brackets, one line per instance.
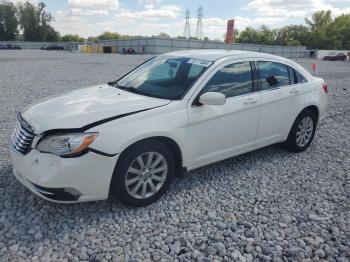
[131, 89]
[137, 91]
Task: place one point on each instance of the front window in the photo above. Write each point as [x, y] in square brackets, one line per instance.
[164, 76]
[232, 80]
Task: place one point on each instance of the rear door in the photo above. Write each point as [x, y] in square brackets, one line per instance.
[281, 101]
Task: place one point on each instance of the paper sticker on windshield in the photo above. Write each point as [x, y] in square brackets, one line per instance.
[200, 62]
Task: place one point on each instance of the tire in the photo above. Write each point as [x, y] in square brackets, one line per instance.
[295, 141]
[130, 160]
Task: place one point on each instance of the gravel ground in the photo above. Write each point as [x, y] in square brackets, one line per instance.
[266, 205]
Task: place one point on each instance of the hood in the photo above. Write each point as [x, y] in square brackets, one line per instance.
[82, 107]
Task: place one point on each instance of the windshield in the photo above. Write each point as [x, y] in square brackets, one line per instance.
[164, 76]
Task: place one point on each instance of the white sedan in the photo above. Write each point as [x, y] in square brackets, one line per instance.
[173, 113]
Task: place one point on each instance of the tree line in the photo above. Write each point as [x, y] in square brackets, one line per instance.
[32, 21]
[319, 32]
[29, 22]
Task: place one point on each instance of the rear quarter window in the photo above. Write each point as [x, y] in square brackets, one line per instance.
[299, 77]
[292, 76]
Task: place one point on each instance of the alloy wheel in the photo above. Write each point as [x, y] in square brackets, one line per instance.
[146, 175]
[304, 131]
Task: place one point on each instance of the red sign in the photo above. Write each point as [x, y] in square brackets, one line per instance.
[230, 35]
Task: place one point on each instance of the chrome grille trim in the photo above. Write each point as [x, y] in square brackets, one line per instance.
[22, 137]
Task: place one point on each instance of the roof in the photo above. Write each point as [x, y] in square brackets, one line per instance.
[215, 54]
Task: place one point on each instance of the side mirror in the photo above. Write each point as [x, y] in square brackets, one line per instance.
[212, 98]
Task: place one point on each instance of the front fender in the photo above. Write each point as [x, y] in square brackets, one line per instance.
[115, 136]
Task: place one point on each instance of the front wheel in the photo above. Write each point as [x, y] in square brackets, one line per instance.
[302, 132]
[143, 173]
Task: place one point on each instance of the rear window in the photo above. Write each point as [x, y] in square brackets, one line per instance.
[273, 75]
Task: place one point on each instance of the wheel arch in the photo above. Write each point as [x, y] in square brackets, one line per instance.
[314, 109]
[169, 142]
[290, 141]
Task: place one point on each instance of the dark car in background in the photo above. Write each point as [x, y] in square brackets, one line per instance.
[129, 51]
[10, 47]
[335, 56]
[52, 47]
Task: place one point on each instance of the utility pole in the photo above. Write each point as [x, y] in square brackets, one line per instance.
[199, 29]
[187, 30]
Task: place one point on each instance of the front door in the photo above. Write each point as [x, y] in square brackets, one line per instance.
[221, 131]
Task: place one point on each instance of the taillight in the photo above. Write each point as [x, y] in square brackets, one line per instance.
[325, 87]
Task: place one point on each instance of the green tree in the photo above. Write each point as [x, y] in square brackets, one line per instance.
[72, 38]
[163, 35]
[109, 36]
[319, 20]
[92, 39]
[50, 34]
[339, 31]
[318, 25]
[293, 35]
[8, 21]
[35, 23]
[248, 35]
[266, 36]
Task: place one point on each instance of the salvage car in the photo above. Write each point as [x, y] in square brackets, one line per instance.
[174, 113]
[52, 47]
[10, 47]
[335, 56]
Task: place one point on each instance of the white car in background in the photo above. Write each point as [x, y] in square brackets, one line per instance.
[174, 113]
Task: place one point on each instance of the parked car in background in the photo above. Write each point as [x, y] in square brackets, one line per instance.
[129, 51]
[52, 47]
[335, 56]
[10, 47]
[176, 112]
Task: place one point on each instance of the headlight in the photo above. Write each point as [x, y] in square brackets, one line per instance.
[66, 144]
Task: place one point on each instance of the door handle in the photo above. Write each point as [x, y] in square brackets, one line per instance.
[295, 91]
[250, 101]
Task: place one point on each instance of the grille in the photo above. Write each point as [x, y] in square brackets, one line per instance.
[22, 136]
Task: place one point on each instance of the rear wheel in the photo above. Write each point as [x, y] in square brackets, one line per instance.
[302, 132]
[143, 173]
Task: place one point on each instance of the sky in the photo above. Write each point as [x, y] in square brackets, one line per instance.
[150, 17]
